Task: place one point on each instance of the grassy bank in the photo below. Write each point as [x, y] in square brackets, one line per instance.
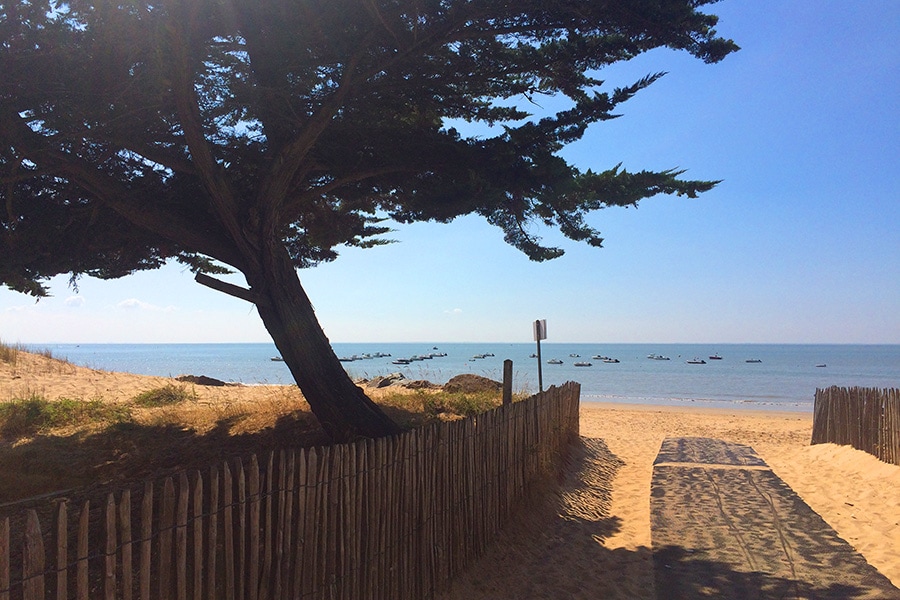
[64, 426]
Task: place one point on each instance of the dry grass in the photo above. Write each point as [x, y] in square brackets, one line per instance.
[129, 427]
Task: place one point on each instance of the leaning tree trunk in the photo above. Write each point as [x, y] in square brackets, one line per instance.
[342, 408]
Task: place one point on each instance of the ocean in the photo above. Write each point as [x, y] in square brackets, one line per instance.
[784, 378]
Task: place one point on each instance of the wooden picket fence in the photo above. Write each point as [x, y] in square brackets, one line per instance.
[383, 519]
[866, 418]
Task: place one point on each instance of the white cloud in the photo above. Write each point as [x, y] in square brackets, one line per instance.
[453, 311]
[17, 309]
[135, 304]
[74, 301]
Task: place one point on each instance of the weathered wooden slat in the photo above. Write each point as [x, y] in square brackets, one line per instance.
[126, 542]
[5, 552]
[310, 536]
[301, 579]
[268, 519]
[146, 540]
[33, 559]
[212, 530]
[109, 571]
[197, 528]
[62, 552]
[241, 581]
[329, 518]
[228, 532]
[357, 564]
[166, 536]
[81, 569]
[254, 526]
[181, 546]
[287, 466]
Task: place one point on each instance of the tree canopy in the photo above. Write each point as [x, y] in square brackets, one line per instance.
[263, 135]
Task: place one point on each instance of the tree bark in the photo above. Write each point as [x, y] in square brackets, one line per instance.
[342, 408]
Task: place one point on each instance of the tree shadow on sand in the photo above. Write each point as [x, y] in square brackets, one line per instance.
[554, 549]
[683, 576]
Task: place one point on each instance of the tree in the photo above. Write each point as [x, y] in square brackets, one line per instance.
[259, 136]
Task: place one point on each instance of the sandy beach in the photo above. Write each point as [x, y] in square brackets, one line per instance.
[592, 539]
[557, 552]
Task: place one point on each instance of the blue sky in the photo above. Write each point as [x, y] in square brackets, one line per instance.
[798, 244]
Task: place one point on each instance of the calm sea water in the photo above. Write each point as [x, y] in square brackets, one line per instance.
[785, 378]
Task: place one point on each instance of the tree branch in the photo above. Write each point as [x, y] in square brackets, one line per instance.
[110, 192]
[227, 288]
[209, 171]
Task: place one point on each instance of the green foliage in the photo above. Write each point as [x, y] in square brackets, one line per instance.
[197, 130]
[27, 416]
[163, 396]
[261, 136]
[462, 404]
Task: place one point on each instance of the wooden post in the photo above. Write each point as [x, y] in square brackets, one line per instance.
[4, 559]
[109, 573]
[81, 577]
[507, 381]
[33, 559]
[62, 553]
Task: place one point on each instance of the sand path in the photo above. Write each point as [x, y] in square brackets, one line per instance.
[600, 546]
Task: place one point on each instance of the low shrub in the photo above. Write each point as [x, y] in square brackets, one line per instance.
[27, 416]
[164, 396]
[462, 404]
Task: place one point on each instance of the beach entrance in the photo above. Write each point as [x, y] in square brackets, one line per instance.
[723, 525]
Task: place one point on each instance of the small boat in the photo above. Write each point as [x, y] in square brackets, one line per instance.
[401, 361]
[533, 355]
[753, 360]
[657, 357]
[276, 359]
[583, 364]
[715, 357]
[554, 361]
[611, 360]
[821, 366]
[696, 361]
[575, 355]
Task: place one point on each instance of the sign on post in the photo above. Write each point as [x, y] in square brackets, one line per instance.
[540, 333]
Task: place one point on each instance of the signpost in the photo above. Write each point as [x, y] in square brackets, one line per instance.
[540, 333]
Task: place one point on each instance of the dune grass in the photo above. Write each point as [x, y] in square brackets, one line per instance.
[9, 353]
[53, 443]
[34, 414]
[164, 396]
[432, 404]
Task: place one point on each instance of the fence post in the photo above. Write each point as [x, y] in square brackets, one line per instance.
[33, 559]
[4, 559]
[507, 381]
